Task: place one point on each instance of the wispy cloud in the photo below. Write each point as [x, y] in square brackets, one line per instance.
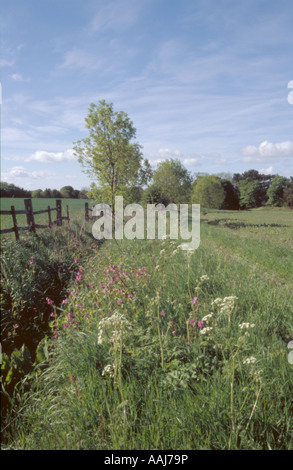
[78, 58]
[17, 77]
[117, 15]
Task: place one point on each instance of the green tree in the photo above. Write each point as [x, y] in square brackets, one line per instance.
[275, 192]
[110, 155]
[47, 193]
[67, 192]
[37, 193]
[154, 195]
[252, 194]
[209, 192]
[231, 199]
[56, 194]
[173, 181]
[288, 194]
[83, 193]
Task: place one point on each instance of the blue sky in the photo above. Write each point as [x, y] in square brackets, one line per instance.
[205, 81]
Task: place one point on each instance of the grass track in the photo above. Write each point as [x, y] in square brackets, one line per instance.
[176, 394]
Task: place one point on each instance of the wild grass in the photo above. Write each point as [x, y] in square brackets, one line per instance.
[76, 210]
[156, 348]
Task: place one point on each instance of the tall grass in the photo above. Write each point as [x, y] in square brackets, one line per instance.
[156, 348]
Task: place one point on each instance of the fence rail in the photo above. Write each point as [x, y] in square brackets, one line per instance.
[30, 217]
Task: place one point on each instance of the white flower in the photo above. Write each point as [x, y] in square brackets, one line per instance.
[112, 328]
[186, 247]
[205, 330]
[204, 278]
[246, 325]
[108, 370]
[250, 360]
[207, 317]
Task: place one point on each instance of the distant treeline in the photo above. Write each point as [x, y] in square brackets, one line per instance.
[11, 190]
[172, 183]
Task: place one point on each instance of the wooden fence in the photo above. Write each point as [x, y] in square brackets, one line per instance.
[88, 215]
[30, 217]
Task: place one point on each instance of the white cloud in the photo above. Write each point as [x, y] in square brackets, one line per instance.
[51, 157]
[267, 151]
[191, 162]
[6, 62]
[17, 77]
[21, 172]
[163, 153]
[267, 171]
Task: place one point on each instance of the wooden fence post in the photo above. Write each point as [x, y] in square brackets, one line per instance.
[59, 212]
[67, 210]
[30, 215]
[14, 222]
[87, 211]
[49, 216]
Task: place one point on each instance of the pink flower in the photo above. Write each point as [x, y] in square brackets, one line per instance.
[163, 313]
[191, 321]
[49, 301]
[200, 324]
[75, 260]
[194, 300]
[52, 314]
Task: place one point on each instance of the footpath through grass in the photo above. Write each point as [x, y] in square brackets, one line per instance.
[157, 348]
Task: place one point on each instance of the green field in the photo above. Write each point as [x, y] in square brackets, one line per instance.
[76, 210]
[160, 349]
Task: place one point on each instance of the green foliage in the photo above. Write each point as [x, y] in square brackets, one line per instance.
[11, 190]
[69, 192]
[209, 192]
[130, 368]
[288, 194]
[275, 192]
[109, 156]
[37, 193]
[231, 200]
[154, 195]
[252, 194]
[171, 183]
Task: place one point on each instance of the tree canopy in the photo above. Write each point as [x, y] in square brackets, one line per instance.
[209, 192]
[172, 182]
[110, 155]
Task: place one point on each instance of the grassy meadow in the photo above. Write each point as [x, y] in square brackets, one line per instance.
[155, 348]
[76, 210]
